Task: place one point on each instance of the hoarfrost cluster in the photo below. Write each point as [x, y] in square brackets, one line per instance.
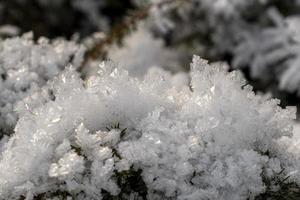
[25, 67]
[190, 143]
[144, 125]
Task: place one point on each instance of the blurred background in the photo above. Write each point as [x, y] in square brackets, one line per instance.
[259, 37]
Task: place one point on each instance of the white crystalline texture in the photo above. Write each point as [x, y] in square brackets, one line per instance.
[67, 166]
[291, 147]
[25, 67]
[207, 141]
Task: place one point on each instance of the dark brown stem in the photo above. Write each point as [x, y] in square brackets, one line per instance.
[99, 51]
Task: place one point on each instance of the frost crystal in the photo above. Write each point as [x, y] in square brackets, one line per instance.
[25, 66]
[68, 165]
[115, 135]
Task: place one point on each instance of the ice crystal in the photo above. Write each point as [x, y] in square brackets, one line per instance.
[118, 136]
[25, 66]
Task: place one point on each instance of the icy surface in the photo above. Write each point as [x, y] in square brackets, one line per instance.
[212, 140]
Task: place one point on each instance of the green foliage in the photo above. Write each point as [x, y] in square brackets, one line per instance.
[130, 182]
[285, 190]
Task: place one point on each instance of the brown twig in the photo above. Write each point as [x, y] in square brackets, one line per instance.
[99, 51]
